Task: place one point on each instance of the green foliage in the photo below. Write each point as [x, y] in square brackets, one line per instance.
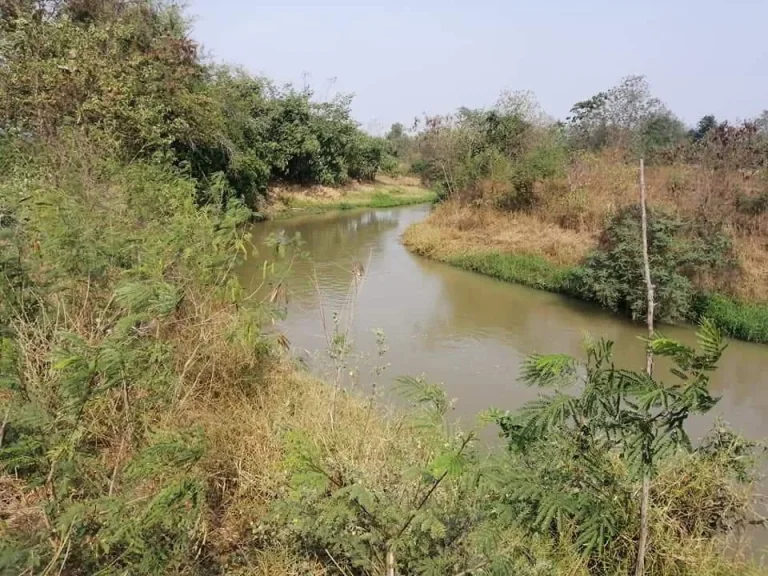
[625, 116]
[423, 512]
[366, 157]
[660, 132]
[703, 126]
[741, 320]
[499, 153]
[613, 274]
[525, 269]
[130, 76]
[580, 456]
[111, 255]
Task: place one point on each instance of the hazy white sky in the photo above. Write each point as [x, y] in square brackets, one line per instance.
[404, 59]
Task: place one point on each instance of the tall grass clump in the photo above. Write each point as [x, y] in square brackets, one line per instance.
[529, 270]
[740, 319]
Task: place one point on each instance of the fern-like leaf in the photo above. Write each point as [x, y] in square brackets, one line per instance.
[551, 370]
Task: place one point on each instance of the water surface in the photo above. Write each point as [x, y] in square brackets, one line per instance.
[463, 330]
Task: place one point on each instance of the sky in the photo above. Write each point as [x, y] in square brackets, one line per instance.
[404, 59]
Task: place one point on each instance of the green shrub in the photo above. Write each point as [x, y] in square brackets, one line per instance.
[581, 450]
[366, 157]
[679, 252]
[130, 75]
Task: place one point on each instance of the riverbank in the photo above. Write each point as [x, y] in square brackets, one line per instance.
[384, 192]
[197, 446]
[524, 249]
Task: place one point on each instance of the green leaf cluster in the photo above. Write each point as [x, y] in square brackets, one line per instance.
[679, 253]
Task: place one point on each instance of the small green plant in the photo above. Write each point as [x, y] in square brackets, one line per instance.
[577, 451]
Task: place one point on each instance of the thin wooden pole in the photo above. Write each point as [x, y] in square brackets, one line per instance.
[390, 563]
[645, 496]
[647, 265]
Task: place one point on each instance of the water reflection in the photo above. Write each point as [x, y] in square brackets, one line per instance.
[465, 330]
[530, 321]
[335, 244]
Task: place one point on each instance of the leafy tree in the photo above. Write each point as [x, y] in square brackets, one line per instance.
[498, 154]
[627, 116]
[703, 127]
[587, 122]
[661, 131]
[127, 73]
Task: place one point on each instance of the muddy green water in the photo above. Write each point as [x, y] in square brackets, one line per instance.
[463, 330]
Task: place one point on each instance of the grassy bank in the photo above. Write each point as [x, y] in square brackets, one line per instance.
[523, 249]
[383, 193]
[153, 425]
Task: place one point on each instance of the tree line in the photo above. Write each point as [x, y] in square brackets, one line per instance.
[709, 194]
[128, 73]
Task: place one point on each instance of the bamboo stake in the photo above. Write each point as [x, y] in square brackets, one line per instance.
[390, 563]
[647, 265]
[643, 541]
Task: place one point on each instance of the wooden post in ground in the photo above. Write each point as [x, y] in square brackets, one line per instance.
[390, 563]
[645, 496]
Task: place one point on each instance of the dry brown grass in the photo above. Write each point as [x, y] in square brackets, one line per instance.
[251, 435]
[454, 229]
[570, 214]
[753, 256]
[21, 509]
[597, 185]
[287, 199]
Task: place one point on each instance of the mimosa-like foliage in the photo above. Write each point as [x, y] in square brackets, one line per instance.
[599, 427]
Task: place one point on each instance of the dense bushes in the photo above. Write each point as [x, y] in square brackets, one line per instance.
[497, 154]
[128, 73]
[613, 274]
[90, 466]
